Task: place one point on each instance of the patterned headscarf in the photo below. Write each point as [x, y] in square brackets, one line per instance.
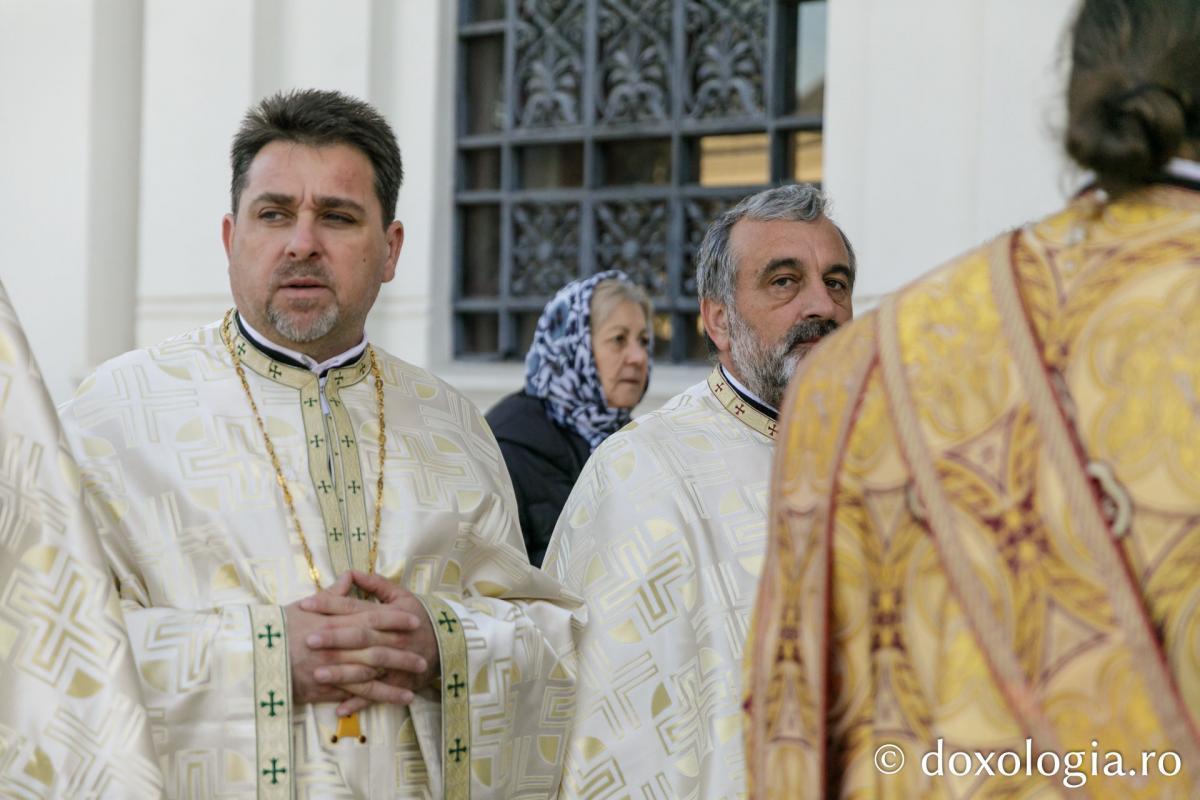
[561, 369]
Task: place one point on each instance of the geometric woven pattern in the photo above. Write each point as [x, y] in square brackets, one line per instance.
[663, 537]
[197, 533]
[70, 721]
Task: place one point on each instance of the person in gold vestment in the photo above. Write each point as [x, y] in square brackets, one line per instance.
[315, 542]
[985, 519]
[71, 717]
[664, 533]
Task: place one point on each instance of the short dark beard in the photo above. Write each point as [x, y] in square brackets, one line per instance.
[767, 370]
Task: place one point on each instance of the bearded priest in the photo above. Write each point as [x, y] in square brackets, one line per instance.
[664, 534]
[316, 543]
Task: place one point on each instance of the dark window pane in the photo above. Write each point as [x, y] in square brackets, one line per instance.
[551, 166]
[637, 161]
[526, 324]
[485, 84]
[806, 151]
[484, 10]
[739, 160]
[479, 333]
[696, 349]
[481, 251]
[804, 67]
[545, 247]
[482, 168]
[664, 329]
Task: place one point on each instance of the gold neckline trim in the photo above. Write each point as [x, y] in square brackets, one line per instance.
[739, 408]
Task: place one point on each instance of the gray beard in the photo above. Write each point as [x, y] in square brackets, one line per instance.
[767, 369]
[290, 327]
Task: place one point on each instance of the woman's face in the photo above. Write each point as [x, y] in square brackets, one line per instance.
[619, 345]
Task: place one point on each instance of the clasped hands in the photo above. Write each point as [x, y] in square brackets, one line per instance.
[358, 652]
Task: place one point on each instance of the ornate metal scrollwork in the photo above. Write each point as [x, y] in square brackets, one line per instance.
[545, 247]
[549, 69]
[632, 236]
[634, 74]
[726, 57]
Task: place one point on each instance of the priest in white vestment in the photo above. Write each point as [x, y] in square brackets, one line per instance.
[241, 471]
[71, 717]
[665, 532]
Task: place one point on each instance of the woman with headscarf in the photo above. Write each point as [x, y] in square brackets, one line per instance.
[587, 368]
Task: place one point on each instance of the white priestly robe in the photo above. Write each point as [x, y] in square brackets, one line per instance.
[71, 719]
[664, 536]
[205, 555]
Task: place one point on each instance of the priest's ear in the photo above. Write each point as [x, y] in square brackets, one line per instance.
[394, 235]
[716, 323]
[227, 223]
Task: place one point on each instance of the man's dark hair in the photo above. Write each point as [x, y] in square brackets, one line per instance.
[318, 118]
[1133, 96]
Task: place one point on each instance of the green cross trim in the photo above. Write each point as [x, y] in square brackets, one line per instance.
[448, 621]
[270, 636]
[270, 706]
[354, 486]
[457, 686]
[241, 348]
[310, 402]
[275, 771]
[315, 441]
[335, 534]
[275, 371]
[458, 751]
[324, 487]
[347, 441]
[359, 534]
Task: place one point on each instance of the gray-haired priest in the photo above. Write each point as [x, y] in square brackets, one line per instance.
[665, 532]
[316, 543]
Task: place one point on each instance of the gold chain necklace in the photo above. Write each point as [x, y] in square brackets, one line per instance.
[313, 572]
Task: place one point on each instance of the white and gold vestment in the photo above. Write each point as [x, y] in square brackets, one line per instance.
[664, 536]
[205, 557]
[71, 719]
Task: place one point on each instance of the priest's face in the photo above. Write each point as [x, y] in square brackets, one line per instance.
[308, 249]
[792, 287]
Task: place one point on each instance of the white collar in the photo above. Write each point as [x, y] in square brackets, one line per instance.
[1183, 168]
[744, 391]
[301, 358]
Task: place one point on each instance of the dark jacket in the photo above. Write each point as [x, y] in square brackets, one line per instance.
[544, 461]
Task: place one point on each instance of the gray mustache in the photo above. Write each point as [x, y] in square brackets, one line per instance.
[809, 329]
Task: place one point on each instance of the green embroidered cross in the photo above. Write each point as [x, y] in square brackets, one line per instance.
[448, 621]
[335, 534]
[241, 348]
[275, 771]
[310, 402]
[333, 401]
[458, 750]
[358, 534]
[354, 487]
[270, 636]
[347, 441]
[324, 487]
[275, 371]
[457, 686]
[316, 441]
[270, 706]
[338, 379]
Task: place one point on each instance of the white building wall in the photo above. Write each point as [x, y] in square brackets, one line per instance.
[115, 129]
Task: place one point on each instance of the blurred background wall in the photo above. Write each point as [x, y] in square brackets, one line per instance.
[543, 139]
